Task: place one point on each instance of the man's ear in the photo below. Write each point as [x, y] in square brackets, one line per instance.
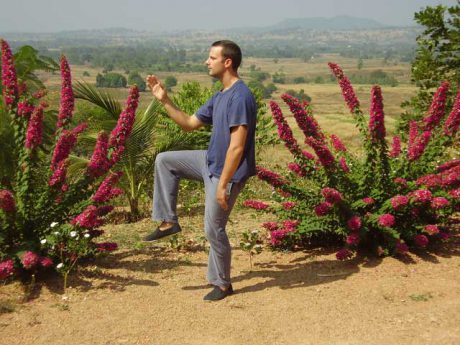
[228, 63]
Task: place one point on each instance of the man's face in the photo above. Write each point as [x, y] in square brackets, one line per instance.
[216, 63]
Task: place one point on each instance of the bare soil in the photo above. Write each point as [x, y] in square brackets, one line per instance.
[152, 294]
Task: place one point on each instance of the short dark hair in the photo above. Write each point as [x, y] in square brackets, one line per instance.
[230, 50]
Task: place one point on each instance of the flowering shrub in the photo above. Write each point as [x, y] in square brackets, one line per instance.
[389, 199]
[46, 218]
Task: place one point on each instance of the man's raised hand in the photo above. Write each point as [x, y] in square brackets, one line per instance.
[157, 88]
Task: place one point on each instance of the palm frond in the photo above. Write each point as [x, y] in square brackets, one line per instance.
[83, 90]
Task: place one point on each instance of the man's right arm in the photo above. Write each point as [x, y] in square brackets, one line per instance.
[186, 122]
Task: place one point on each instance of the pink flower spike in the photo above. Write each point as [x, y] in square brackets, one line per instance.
[455, 193]
[288, 205]
[437, 108]
[99, 163]
[64, 145]
[352, 239]
[453, 121]
[270, 226]
[395, 147]
[322, 151]
[284, 131]
[448, 165]
[45, 262]
[59, 175]
[343, 165]
[401, 247]
[347, 90]
[296, 169]
[337, 144]
[368, 200]
[399, 201]
[88, 218]
[124, 125]
[35, 129]
[376, 122]
[66, 105]
[105, 191]
[271, 177]
[422, 195]
[9, 78]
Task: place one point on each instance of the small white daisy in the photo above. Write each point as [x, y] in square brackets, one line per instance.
[43, 241]
[53, 224]
[59, 266]
[87, 235]
[73, 233]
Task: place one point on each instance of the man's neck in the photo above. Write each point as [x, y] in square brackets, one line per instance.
[228, 80]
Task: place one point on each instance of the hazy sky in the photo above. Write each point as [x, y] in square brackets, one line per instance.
[60, 15]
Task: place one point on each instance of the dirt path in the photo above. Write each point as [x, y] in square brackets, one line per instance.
[153, 295]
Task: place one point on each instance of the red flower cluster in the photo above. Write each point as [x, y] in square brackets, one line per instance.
[448, 165]
[45, 262]
[368, 200]
[66, 105]
[277, 234]
[395, 147]
[34, 132]
[6, 269]
[7, 202]
[417, 144]
[270, 226]
[29, 260]
[347, 90]
[337, 143]
[9, 78]
[305, 121]
[352, 239]
[59, 174]
[421, 195]
[323, 208]
[455, 193]
[401, 247]
[343, 254]
[25, 109]
[343, 165]
[421, 240]
[437, 108]
[287, 205]
[376, 122]
[354, 223]
[453, 121]
[322, 151]
[269, 176]
[255, 204]
[106, 191]
[331, 195]
[431, 229]
[124, 125]
[64, 145]
[386, 220]
[104, 210]
[296, 169]
[401, 181]
[399, 201]
[439, 202]
[88, 218]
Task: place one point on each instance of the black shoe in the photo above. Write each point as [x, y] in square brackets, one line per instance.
[157, 234]
[217, 294]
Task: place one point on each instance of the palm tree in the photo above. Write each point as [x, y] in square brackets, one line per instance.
[152, 133]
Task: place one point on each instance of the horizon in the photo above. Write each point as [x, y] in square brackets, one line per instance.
[195, 15]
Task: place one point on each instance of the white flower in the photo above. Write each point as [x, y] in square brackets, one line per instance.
[73, 233]
[254, 232]
[59, 266]
[87, 235]
[53, 224]
[56, 232]
[43, 241]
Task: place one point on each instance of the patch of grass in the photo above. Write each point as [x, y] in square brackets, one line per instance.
[7, 306]
[61, 306]
[421, 297]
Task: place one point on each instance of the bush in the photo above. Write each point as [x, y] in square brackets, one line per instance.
[299, 80]
[388, 200]
[279, 78]
[170, 81]
[300, 95]
[135, 78]
[112, 80]
[47, 219]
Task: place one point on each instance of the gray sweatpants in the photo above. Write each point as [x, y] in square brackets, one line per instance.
[170, 167]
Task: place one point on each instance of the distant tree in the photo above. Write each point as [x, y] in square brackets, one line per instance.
[279, 78]
[113, 80]
[300, 95]
[135, 78]
[170, 81]
[107, 68]
[299, 80]
[360, 63]
[86, 74]
[319, 80]
[437, 58]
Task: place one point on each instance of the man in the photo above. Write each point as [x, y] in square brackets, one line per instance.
[224, 167]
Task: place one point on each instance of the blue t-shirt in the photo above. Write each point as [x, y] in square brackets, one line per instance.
[224, 110]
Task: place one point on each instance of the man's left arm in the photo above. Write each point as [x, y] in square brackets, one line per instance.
[235, 151]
